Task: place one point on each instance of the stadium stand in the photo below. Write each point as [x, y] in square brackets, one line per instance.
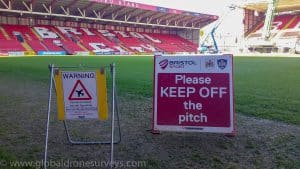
[10, 46]
[53, 44]
[272, 27]
[37, 45]
[73, 40]
[1, 34]
[285, 33]
[98, 27]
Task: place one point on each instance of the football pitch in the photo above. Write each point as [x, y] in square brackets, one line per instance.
[267, 103]
[265, 87]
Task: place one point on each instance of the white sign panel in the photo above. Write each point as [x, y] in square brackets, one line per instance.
[80, 95]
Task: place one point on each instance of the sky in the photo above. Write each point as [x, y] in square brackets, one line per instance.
[232, 23]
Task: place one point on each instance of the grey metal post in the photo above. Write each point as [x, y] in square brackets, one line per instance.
[113, 115]
[48, 117]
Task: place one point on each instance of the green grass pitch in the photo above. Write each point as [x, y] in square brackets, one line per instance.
[265, 87]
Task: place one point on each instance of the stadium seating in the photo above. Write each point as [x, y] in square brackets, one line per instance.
[89, 41]
[173, 43]
[37, 45]
[295, 24]
[72, 40]
[24, 31]
[1, 34]
[72, 47]
[125, 39]
[10, 46]
[54, 45]
[284, 34]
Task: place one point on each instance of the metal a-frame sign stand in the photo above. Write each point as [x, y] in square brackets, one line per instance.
[114, 109]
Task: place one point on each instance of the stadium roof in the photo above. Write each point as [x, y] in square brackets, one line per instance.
[113, 11]
[282, 5]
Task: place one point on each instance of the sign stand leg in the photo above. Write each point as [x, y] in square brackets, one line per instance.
[75, 142]
[48, 117]
[116, 110]
[113, 115]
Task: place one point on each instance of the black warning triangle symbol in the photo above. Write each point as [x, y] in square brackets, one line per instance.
[79, 92]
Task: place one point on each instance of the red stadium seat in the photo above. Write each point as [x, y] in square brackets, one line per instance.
[284, 33]
[73, 40]
[10, 46]
[295, 24]
[283, 22]
[52, 46]
[71, 47]
[174, 43]
[1, 35]
[37, 46]
[25, 32]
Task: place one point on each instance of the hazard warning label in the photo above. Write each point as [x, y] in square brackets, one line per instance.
[79, 92]
[80, 95]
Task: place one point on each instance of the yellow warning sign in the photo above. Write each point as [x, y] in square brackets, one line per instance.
[81, 95]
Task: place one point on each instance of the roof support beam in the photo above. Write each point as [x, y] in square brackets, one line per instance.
[117, 10]
[128, 13]
[176, 23]
[122, 11]
[168, 22]
[136, 14]
[158, 21]
[6, 5]
[203, 23]
[114, 16]
[153, 15]
[29, 8]
[82, 13]
[101, 11]
[184, 19]
[138, 19]
[149, 19]
[66, 11]
[178, 18]
[193, 20]
[184, 23]
[127, 17]
[168, 18]
[99, 14]
[193, 24]
[158, 15]
[49, 10]
[148, 14]
[91, 18]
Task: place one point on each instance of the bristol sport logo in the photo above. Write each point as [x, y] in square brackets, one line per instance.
[164, 63]
[176, 63]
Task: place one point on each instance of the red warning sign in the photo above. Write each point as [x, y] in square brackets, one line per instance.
[79, 92]
[194, 93]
